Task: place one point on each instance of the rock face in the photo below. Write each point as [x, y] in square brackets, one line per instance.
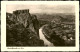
[23, 17]
[22, 29]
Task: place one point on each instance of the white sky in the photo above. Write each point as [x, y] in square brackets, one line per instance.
[43, 8]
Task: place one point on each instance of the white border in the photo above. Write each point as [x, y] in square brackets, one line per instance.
[3, 26]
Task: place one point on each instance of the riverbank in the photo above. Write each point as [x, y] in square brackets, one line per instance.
[42, 37]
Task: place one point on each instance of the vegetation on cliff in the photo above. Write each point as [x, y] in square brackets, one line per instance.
[22, 29]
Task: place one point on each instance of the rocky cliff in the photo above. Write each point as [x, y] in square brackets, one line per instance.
[22, 29]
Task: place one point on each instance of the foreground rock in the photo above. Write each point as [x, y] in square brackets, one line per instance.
[22, 29]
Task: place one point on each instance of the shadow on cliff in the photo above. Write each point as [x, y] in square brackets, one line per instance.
[22, 29]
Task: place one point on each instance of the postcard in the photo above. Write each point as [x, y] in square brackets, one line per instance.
[39, 26]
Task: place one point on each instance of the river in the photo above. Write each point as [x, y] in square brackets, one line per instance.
[42, 37]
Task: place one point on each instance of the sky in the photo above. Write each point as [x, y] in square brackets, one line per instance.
[42, 8]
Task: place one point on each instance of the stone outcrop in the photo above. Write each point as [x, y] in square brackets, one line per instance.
[22, 29]
[23, 17]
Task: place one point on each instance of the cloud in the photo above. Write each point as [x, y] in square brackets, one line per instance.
[43, 8]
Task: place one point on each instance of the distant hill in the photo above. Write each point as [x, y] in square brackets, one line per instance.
[58, 17]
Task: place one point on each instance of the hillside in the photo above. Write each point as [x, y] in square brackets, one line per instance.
[22, 29]
[59, 27]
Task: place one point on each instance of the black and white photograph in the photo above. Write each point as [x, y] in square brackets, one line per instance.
[40, 25]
